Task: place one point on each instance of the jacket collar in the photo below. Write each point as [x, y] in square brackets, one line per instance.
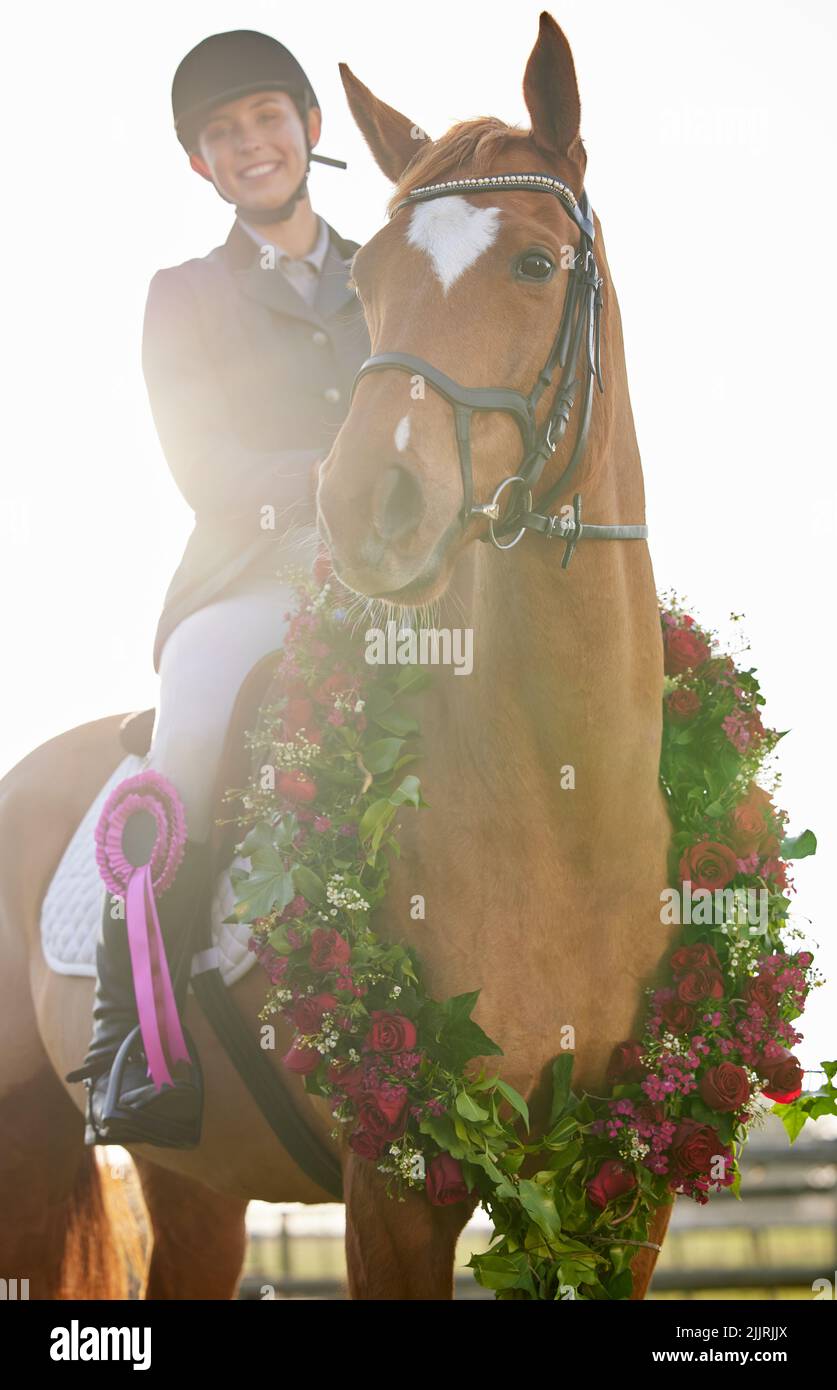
[270, 287]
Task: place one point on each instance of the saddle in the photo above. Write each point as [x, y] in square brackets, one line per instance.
[264, 1083]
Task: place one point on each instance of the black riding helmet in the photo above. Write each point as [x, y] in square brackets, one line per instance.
[226, 66]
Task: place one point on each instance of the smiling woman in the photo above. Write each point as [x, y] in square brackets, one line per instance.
[240, 364]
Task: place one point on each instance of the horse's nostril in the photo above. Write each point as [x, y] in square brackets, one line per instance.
[398, 503]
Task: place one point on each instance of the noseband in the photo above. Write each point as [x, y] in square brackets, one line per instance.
[576, 350]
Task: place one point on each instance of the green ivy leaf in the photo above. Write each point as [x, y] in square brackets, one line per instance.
[798, 846]
[266, 889]
[793, 1117]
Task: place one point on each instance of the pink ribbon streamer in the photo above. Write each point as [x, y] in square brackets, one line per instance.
[162, 1035]
[159, 1022]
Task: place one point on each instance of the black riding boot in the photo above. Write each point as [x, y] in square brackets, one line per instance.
[123, 1104]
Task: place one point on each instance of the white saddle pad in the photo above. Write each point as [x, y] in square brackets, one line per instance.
[71, 914]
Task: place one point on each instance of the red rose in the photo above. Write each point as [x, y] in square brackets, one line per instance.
[702, 983]
[329, 950]
[302, 1059]
[390, 1032]
[445, 1181]
[708, 865]
[694, 1147]
[760, 991]
[624, 1064]
[347, 1077]
[684, 651]
[682, 705]
[746, 830]
[383, 1111]
[725, 1087]
[688, 957]
[366, 1144]
[297, 787]
[782, 1076]
[678, 1016]
[307, 1013]
[613, 1180]
[752, 824]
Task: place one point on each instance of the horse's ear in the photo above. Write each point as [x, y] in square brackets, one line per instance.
[550, 90]
[391, 137]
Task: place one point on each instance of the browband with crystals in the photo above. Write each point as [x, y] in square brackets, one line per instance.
[546, 183]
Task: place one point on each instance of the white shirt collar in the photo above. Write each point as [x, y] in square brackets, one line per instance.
[315, 257]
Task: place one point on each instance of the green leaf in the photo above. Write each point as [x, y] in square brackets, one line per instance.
[468, 1108]
[799, 846]
[411, 679]
[539, 1204]
[378, 815]
[566, 1156]
[260, 837]
[562, 1070]
[440, 1128]
[486, 1162]
[266, 890]
[460, 1041]
[513, 1097]
[382, 754]
[309, 884]
[622, 1286]
[503, 1271]
[793, 1117]
[408, 791]
[394, 721]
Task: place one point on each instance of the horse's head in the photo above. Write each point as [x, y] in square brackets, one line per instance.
[472, 284]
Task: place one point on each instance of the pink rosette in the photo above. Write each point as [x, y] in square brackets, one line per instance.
[152, 793]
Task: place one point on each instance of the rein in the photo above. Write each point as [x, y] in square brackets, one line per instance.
[576, 349]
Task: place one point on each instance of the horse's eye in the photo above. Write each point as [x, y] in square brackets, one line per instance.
[535, 265]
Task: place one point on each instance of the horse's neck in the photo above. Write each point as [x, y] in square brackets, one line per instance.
[567, 663]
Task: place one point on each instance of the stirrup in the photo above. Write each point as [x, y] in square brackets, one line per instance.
[120, 1124]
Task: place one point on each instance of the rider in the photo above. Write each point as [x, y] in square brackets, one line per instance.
[249, 354]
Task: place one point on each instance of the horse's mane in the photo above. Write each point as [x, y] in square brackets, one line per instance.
[475, 143]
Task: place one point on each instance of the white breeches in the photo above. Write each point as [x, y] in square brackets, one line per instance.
[202, 666]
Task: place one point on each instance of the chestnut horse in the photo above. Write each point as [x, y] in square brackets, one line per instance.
[542, 895]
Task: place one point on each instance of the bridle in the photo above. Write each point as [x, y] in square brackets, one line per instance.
[576, 349]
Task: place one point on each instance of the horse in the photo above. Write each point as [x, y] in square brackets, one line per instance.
[541, 890]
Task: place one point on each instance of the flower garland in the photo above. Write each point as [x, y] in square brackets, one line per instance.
[570, 1208]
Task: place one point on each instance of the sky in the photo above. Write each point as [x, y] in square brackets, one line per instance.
[709, 129]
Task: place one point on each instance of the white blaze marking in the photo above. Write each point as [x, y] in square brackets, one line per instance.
[453, 233]
[402, 433]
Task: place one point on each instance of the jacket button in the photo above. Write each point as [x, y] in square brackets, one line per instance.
[332, 395]
[319, 337]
